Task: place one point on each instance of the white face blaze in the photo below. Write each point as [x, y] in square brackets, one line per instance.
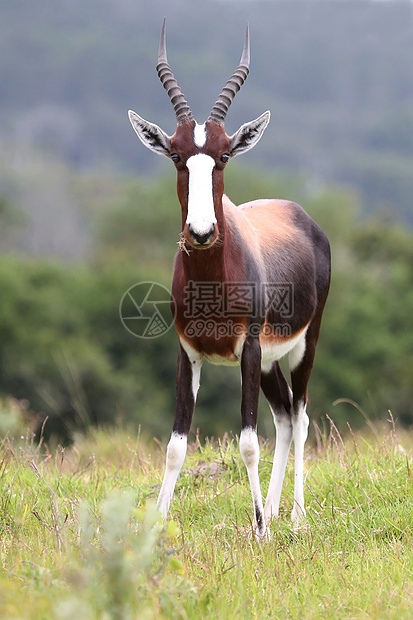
[201, 212]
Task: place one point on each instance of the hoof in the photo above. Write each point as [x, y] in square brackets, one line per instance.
[301, 525]
[262, 535]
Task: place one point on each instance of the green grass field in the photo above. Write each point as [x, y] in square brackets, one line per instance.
[80, 537]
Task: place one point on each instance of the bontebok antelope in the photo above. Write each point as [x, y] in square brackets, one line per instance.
[249, 287]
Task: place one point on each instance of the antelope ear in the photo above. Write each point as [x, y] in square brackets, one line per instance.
[150, 134]
[248, 135]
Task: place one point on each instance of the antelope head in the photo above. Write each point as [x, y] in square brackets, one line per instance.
[200, 152]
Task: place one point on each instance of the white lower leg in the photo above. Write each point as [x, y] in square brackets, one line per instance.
[282, 450]
[250, 452]
[175, 456]
[300, 432]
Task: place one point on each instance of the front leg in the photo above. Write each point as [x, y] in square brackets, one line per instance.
[187, 384]
[249, 446]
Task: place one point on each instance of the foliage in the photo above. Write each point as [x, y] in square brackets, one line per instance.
[366, 339]
[142, 224]
[126, 553]
[65, 351]
[15, 420]
[11, 219]
[80, 536]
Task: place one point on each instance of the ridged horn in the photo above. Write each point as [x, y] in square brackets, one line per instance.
[220, 109]
[182, 111]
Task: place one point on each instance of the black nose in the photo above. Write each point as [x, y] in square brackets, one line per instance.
[203, 238]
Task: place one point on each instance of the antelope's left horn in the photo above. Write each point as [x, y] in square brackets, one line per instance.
[220, 109]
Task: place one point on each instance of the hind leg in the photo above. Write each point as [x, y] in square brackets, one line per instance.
[278, 395]
[301, 360]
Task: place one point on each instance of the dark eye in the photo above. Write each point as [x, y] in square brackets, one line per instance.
[225, 158]
[175, 158]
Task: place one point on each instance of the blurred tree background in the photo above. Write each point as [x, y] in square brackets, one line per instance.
[86, 212]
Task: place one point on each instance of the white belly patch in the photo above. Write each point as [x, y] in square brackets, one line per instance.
[274, 350]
